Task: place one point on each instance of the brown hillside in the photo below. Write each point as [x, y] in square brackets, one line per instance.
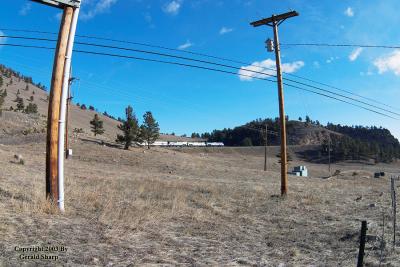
[17, 123]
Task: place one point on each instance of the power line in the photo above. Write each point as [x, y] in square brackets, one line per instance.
[342, 45]
[339, 100]
[206, 62]
[197, 67]
[215, 57]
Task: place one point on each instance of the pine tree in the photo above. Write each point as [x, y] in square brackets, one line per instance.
[130, 129]
[20, 104]
[97, 125]
[27, 88]
[3, 94]
[149, 130]
[1, 81]
[31, 108]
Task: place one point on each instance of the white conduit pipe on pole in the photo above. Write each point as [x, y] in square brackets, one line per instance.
[63, 109]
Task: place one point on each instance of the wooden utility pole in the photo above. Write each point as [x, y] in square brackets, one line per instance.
[266, 148]
[54, 105]
[329, 154]
[274, 22]
[394, 205]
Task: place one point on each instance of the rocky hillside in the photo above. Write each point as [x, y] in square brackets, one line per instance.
[344, 142]
[252, 133]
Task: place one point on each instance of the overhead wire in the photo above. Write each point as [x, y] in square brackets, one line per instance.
[341, 45]
[206, 62]
[199, 67]
[214, 57]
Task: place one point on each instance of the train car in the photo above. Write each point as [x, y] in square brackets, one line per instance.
[178, 144]
[196, 144]
[160, 143]
[215, 144]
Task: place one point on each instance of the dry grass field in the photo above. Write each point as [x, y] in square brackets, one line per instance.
[190, 207]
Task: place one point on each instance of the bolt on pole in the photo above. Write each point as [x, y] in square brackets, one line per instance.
[274, 22]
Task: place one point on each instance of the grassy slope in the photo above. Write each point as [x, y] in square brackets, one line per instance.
[209, 206]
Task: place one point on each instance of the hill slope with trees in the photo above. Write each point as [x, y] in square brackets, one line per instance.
[346, 142]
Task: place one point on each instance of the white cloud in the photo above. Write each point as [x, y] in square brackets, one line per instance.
[355, 54]
[100, 7]
[389, 62]
[225, 30]
[268, 67]
[185, 45]
[173, 7]
[349, 12]
[25, 9]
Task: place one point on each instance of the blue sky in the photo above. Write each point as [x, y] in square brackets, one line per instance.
[187, 100]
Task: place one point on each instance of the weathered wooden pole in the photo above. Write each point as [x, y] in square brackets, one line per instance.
[54, 106]
[266, 148]
[274, 22]
[394, 207]
[282, 117]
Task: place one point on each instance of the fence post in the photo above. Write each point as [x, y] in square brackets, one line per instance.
[360, 261]
[393, 195]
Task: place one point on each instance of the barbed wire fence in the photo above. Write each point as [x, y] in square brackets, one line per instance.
[378, 239]
[380, 243]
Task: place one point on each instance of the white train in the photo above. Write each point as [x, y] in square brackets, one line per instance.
[184, 144]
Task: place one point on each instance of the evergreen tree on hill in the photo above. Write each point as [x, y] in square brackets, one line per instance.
[97, 125]
[149, 130]
[20, 104]
[31, 108]
[3, 94]
[130, 129]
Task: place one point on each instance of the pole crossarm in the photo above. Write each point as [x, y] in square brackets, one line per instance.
[60, 3]
[275, 18]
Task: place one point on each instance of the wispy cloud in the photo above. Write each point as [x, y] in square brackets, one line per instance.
[58, 16]
[331, 59]
[25, 9]
[349, 12]
[2, 40]
[355, 53]
[149, 20]
[185, 45]
[267, 66]
[316, 64]
[389, 62]
[173, 7]
[225, 30]
[100, 7]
